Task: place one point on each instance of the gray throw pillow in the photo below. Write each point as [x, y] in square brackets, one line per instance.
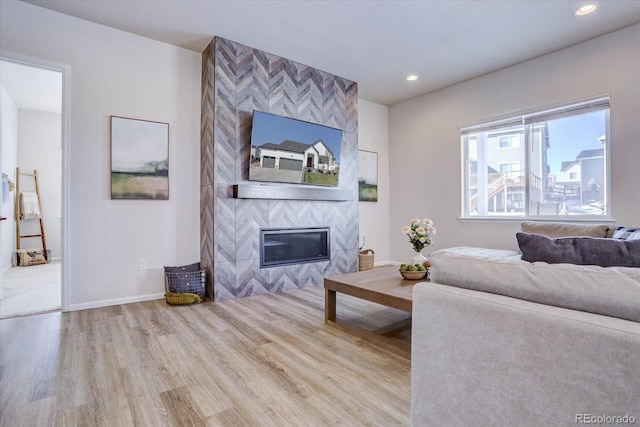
[579, 250]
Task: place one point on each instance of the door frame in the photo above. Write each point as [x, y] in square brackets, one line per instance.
[65, 69]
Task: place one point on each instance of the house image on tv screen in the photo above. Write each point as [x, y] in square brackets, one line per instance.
[296, 162]
[293, 161]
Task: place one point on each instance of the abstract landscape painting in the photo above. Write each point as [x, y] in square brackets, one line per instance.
[139, 159]
[367, 176]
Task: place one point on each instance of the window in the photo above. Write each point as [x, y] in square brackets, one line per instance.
[547, 163]
[509, 141]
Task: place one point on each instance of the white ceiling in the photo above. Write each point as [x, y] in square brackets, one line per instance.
[32, 88]
[375, 43]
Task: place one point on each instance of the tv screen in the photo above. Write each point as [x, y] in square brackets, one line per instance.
[293, 151]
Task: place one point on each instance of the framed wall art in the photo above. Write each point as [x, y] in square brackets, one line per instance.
[367, 176]
[139, 159]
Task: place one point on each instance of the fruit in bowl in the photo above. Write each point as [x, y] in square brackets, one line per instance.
[413, 272]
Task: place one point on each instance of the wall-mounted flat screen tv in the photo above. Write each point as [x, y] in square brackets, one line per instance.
[293, 151]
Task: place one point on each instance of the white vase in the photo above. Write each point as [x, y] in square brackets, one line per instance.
[418, 258]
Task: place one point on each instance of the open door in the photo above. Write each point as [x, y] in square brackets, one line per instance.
[34, 136]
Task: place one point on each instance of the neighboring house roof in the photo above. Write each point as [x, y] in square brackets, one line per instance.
[598, 152]
[568, 165]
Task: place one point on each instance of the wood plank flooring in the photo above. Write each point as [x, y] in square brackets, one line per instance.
[267, 360]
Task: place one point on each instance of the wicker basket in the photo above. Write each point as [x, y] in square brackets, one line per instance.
[365, 261]
[184, 283]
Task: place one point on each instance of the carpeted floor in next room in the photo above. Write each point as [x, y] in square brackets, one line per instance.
[30, 290]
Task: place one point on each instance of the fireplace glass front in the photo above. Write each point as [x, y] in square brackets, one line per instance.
[282, 246]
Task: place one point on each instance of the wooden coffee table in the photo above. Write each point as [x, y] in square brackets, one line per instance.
[384, 286]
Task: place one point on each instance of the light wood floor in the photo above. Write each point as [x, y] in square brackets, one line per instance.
[267, 360]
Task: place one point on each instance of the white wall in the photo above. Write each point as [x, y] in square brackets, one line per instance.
[9, 155]
[39, 139]
[425, 165]
[118, 73]
[373, 135]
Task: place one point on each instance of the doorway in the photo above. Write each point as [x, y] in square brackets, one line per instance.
[32, 137]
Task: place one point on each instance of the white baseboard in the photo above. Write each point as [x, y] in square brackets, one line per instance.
[117, 301]
[383, 263]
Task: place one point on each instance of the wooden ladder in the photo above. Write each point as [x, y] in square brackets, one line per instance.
[19, 236]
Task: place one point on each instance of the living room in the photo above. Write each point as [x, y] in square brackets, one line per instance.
[113, 72]
[172, 76]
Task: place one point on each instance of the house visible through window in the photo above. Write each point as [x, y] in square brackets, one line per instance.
[547, 163]
[509, 167]
[509, 141]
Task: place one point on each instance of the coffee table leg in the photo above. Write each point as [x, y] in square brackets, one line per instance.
[329, 306]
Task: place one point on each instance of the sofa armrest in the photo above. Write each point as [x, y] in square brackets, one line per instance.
[486, 359]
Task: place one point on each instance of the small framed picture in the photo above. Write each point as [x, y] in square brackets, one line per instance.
[139, 159]
[367, 176]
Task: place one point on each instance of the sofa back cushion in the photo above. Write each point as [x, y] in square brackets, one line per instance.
[559, 229]
[612, 291]
[579, 250]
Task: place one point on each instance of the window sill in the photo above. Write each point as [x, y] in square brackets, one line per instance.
[511, 219]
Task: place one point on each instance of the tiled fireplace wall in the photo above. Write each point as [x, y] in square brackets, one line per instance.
[237, 79]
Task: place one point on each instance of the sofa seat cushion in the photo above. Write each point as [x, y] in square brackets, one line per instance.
[610, 291]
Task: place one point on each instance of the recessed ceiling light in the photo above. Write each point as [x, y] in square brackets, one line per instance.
[412, 77]
[586, 9]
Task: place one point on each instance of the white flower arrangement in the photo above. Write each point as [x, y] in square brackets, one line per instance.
[419, 233]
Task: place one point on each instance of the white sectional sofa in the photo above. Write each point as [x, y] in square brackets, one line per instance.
[500, 341]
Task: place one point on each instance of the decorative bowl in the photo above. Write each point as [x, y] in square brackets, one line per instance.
[413, 275]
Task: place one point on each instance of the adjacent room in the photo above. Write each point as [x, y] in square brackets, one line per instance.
[319, 213]
[31, 136]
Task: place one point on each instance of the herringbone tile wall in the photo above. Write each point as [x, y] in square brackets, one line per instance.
[236, 80]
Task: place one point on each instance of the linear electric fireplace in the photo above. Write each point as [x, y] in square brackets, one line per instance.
[281, 246]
